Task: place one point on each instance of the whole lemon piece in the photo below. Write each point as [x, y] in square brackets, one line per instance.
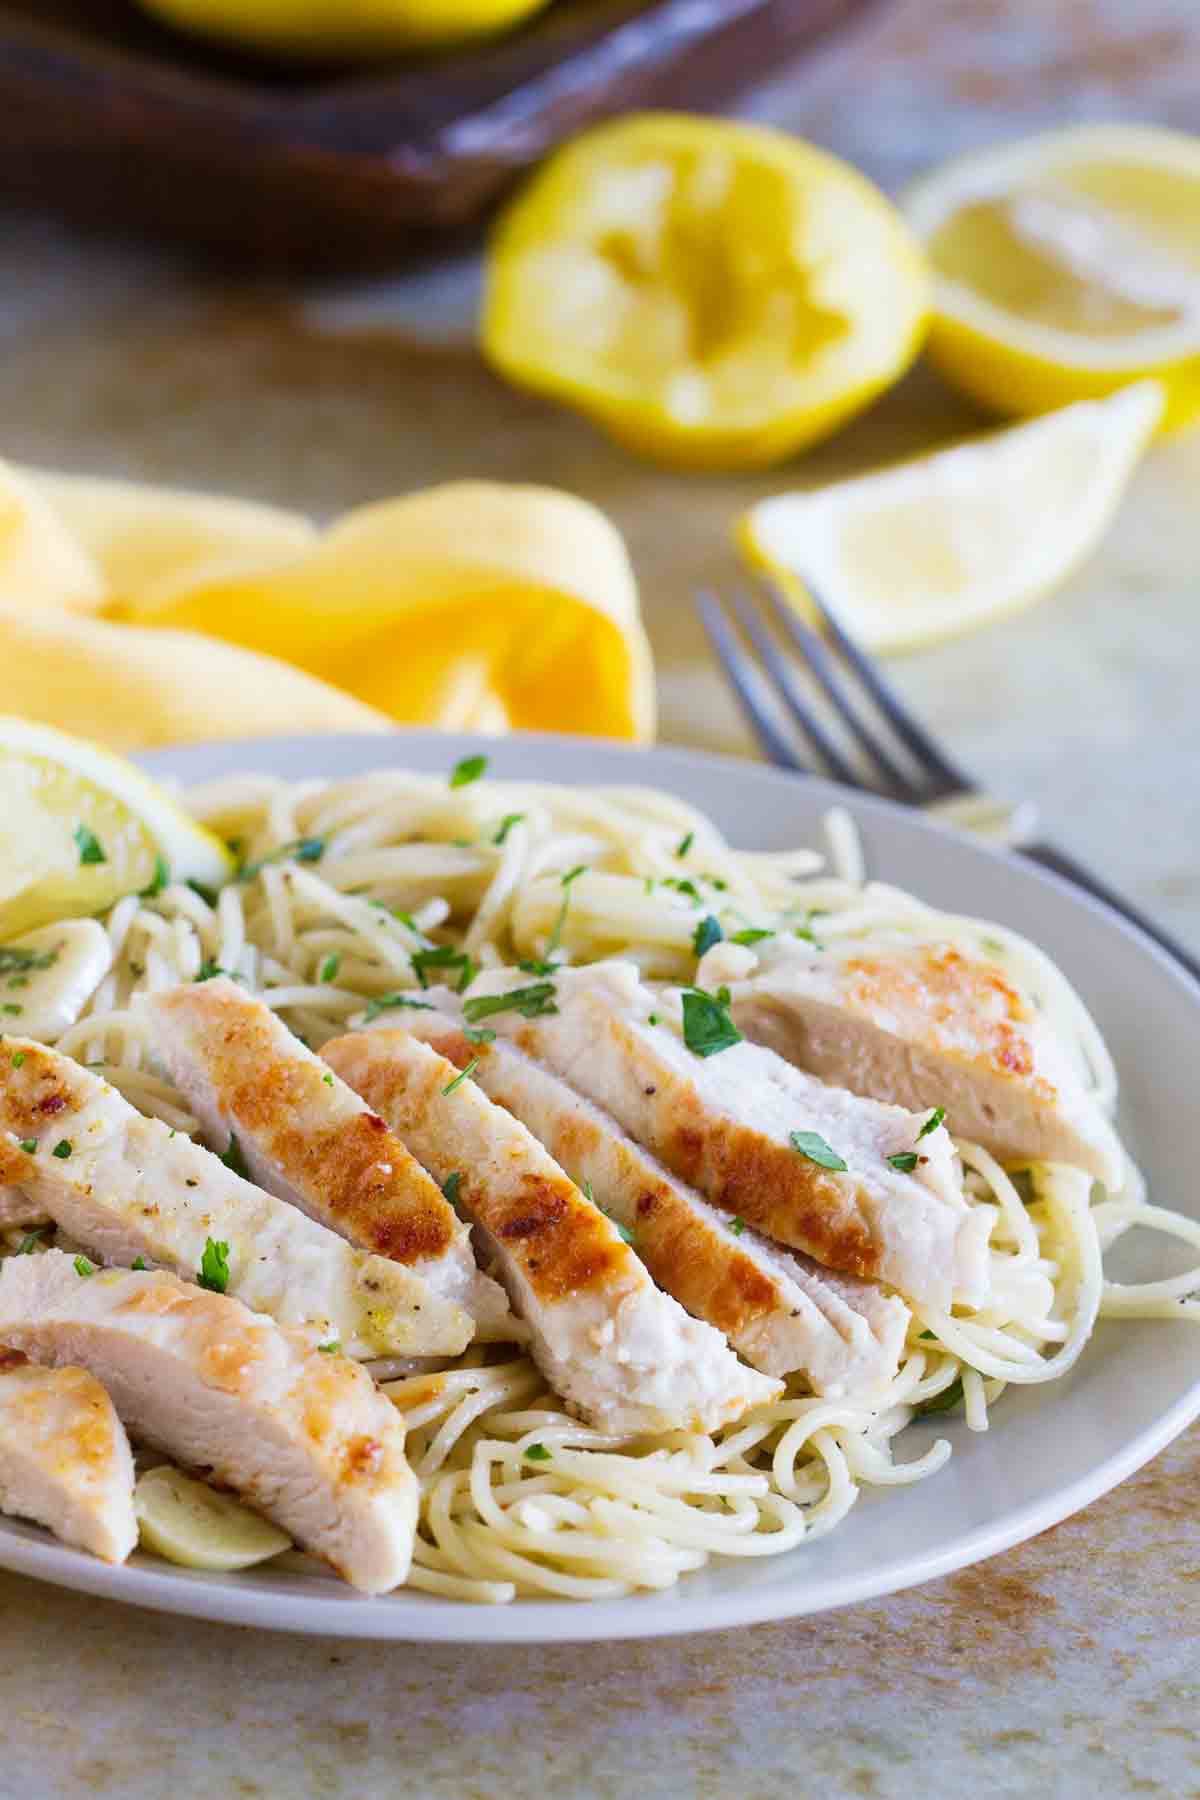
[343, 29]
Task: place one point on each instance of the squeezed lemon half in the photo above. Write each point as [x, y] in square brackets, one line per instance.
[934, 547]
[1067, 266]
[80, 827]
[713, 294]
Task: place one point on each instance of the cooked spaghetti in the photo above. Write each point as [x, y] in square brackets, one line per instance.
[343, 881]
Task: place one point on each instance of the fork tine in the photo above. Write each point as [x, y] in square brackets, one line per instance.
[950, 779]
[794, 699]
[815, 653]
[735, 662]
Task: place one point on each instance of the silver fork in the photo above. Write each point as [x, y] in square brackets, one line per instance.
[895, 755]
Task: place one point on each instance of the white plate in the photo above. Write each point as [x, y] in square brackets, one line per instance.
[1050, 1450]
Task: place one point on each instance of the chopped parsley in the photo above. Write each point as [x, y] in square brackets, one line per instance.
[28, 1145]
[707, 1026]
[389, 1003]
[90, 848]
[328, 969]
[214, 1267]
[537, 1453]
[556, 935]
[707, 933]
[532, 1002]
[737, 1225]
[480, 1035]
[11, 1010]
[83, 1267]
[932, 1122]
[444, 956]
[652, 1019]
[506, 825]
[812, 1145]
[328, 1080]
[753, 934]
[304, 850]
[333, 1348]
[688, 888]
[622, 1231]
[233, 1159]
[906, 1161]
[62, 1149]
[140, 1265]
[15, 961]
[943, 1402]
[207, 894]
[685, 843]
[31, 1240]
[451, 1186]
[463, 1075]
[209, 970]
[161, 878]
[468, 770]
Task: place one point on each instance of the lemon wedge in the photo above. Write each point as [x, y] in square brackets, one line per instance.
[336, 28]
[1067, 266]
[934, 547]
[711, 293]
[190, 1523]
[79, 827]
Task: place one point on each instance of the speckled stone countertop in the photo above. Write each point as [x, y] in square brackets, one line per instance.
[1068, 1666]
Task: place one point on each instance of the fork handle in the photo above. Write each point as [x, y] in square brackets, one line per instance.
[1066, 867]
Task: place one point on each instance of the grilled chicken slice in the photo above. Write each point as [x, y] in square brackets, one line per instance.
[305, 1438]
[626, 1356]
[725, 1124]
[307, 1137]
[125, 1186]
[64, 1457]
[930, 1024]
[779, 1310]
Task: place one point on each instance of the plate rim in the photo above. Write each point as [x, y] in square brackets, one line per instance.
[26, 1550]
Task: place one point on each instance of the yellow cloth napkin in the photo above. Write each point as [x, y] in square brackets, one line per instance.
[141, 616]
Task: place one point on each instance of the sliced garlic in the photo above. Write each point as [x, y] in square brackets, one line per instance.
[190, 1523]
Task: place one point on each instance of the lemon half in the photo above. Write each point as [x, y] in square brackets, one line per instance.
[80, 827]
[933, 547]
[1067, 266]
[711, 293]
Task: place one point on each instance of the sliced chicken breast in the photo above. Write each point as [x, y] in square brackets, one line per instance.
[126, 1187]
[626, 1356]
[778, 1309]
[65, 1460]
[739, 1126]
[17, 1210]
[925, 1025]
[305, 1438]
[307, 1137]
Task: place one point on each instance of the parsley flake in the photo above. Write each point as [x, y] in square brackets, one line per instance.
[84, 1268]
[328, 969]
[506, 825]
[935, 1118]
[389, 1003]
[62, 1149]
[90, 848]
[451, 1186]
[214, 1267]
[481, 1035]
[572, 875]
[537, 1453]
[333, 1348]
[303, 850]
[161, 878]
[707, 933]
[328, 1080]
[906, 1161]
[533, 1002]
[753, 934]
[16, 961]
[943, 1402]
[685, 843]
[707, 1026]
[468, 770]
[28, 1145]
[812, 1145]
[234, 1159]
[31, 1240]
[444, 956]
[463, 1075]
[11, 1010]
[140, 1265]
[737, 1225]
